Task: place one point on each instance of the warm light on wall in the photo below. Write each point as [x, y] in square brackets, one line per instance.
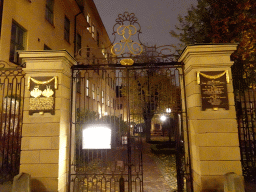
[97, 136]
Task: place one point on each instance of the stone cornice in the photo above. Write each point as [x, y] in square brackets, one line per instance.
[203, 50]
[47, 55]
[48, 61]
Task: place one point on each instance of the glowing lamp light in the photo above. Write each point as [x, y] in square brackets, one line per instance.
[168, 110]
[97, 136]
[163, 118]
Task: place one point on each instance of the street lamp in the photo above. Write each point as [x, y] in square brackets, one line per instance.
[168, 110]
[163, 118]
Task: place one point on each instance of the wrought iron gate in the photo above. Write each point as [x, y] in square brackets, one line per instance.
[120, 97]
[12, 86]
[245, 102]
[114, 91]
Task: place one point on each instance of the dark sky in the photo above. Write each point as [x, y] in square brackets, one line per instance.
[156, 17]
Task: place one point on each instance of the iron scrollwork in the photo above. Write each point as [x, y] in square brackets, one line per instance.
[126, 45]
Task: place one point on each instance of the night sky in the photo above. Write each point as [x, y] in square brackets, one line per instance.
[156, 17]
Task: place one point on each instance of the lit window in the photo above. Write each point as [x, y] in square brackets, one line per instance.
[88, 18]
[87, 87]
[66, 29]
[93, 91]
[108, 101]
[17, 42]
[93, 31]
[49, 11]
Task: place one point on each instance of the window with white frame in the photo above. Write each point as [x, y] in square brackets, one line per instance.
[87, 87]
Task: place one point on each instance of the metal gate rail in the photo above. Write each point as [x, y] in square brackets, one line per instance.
[12, 88]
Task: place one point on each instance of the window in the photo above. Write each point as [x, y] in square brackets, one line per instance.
[98, 93]
[93, 31]
[113, 84]
[93, 91]
[119, 106]
[78, 43]
[66, 29]
[46, 47]
[1, 13]
[98, 39]
[102, 96]
[108, 101]
[88, 18]
[88, 51]
[87, 87]
[103, 74]
[49, 11]
[17, 42]
[78, 83]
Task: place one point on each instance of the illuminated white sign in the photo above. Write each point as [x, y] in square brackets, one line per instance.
[97, 136]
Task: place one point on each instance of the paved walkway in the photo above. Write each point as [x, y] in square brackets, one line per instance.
[154, 179]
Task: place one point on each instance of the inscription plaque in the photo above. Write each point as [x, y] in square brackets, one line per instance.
[42, 94]
[214, 89]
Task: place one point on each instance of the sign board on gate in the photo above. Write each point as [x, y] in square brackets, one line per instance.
[96, 136]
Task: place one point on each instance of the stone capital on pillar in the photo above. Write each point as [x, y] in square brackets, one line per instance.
[213, 134]
[44, 145]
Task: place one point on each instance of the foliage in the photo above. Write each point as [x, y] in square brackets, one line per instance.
[87, 116]
[228, 21]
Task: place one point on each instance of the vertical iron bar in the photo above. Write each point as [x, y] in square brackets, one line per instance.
[188, 142]
[128, 136]
[70, 128]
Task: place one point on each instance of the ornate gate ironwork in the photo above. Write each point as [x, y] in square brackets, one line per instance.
[12, 86]
[117, 88]
[245, 102]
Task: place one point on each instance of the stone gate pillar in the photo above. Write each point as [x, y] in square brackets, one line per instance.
[213, 133]
[44, 144]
